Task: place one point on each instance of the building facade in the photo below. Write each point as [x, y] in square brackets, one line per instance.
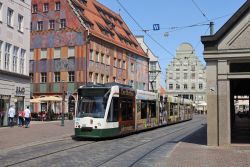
[74, 42]
[14, 56]
[154, 66]
[227, 54]
[186, 76]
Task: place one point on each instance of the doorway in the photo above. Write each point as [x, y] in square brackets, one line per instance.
[240, 114]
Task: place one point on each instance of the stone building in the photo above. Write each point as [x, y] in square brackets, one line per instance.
[74, 42]
[227, 54]
[14, 56]
[154, 66]
[186, 76]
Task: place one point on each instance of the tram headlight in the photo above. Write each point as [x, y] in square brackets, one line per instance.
[77, 124]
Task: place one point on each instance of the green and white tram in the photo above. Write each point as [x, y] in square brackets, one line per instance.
[112, 110]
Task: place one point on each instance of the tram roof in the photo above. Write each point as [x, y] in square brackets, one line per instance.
[106, 85]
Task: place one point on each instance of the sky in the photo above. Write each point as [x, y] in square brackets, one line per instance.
[180, 21]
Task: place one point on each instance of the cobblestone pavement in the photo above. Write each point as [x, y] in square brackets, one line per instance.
[38, 132]
[144, 149]
[193, 152]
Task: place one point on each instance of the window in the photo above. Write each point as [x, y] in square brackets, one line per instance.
[193, 68]
[102, 58]
[102, 78]
[115, 62]
[57, 53]
[31, 77]
[152, 76]
[96, 56]
[91, 77]
[170, 75]
[10, 17]
[57, 6]
[107, 60]
[7, 56]
[1, 14]
[185, 75]
[39, 25]
[57, 77]
[132, 83]
[34, 8]
[71, 51]
[143, 109]
[96, 78]
[22, 55]
[177, 75]
[126, 106]
[152, 109]
[43, 53]
[20, 23]
[91, 55]
[177, 69]
[107, 79]
[177, 86]
[170, 86]
[63, 23]
[71, 76]
[153, 66]
[193, 76]
[124, 65]
[45, 7]
[114, 79]
[193, 86]
[43, 78]
[132, 67]
[200, 86]
[185, 86]
[52, 24]
[119, 63]
[14, 61]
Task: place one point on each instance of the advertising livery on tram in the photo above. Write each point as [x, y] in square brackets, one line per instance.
[113, 110]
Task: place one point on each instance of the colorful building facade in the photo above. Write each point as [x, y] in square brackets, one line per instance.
[75, 42]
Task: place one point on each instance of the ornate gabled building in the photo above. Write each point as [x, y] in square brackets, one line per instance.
[74, 42]
[154, 66]
[14, 57]
[186, 76]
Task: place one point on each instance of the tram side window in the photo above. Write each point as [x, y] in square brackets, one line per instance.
[152, 107]
[171, 109]
[143, 109]
[127, 110]
[113, 111]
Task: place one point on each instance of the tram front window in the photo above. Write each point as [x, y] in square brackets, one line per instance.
[91, 107]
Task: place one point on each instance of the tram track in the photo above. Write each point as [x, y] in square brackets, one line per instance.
[51, 153]
[144, 143]
[67, 148]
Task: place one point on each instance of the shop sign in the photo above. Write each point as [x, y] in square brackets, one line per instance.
[20, 90]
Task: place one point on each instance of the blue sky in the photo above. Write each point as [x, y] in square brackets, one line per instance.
[174, 13]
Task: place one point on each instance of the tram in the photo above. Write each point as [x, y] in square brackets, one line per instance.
[110, 110]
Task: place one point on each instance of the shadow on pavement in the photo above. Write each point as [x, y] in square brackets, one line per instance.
[197, 137]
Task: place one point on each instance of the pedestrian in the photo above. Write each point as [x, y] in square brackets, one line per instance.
[21, 118]
[11, 115]
[27, 116]
[1, 117]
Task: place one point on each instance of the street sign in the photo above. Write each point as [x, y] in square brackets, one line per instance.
[156, 27]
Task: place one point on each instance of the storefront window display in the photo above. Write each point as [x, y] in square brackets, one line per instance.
[4, 106]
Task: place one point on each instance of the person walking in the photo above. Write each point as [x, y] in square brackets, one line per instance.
[27, 116]
[11, 115]
[21, 118]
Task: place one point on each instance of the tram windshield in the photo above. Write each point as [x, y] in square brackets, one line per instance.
[91, 107]
[92, 104]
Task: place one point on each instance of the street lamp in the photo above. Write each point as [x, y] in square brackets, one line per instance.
[63, 103]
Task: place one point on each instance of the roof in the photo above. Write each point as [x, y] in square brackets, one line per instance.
[107, 25]
[210, 42]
